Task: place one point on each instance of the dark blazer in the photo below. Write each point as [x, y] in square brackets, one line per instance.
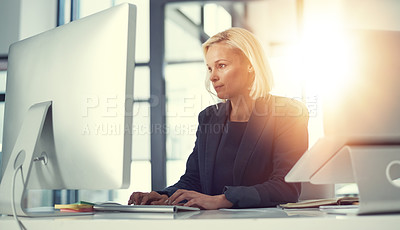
[275, 137]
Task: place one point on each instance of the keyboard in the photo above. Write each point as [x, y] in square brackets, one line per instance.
[142, 208]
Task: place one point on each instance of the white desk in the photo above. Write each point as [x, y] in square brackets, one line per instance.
[268, 218]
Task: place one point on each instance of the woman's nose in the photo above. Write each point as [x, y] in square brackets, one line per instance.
[213, 76]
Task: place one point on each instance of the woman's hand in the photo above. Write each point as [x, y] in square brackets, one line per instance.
[143, 198]
[195, 199]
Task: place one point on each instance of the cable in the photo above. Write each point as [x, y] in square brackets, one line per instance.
[20, 224]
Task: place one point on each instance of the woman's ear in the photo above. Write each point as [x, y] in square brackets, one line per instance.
[252, 76]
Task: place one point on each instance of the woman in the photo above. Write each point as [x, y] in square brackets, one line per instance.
[246, 145]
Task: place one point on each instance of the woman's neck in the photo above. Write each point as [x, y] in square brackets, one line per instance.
[241, 109]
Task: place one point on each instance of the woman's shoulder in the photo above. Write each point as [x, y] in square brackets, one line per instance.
[285, 106]
[220, 109]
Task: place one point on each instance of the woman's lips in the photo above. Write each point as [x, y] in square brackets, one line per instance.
[217, 88]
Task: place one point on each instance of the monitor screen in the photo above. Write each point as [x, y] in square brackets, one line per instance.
[79, 77]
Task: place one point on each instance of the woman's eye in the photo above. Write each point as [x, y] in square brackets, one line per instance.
[222, 65]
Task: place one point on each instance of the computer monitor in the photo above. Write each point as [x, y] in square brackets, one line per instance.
[365, 111]
[68, 107]
[362, 126]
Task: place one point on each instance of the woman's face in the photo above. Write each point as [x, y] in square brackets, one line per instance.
[229, 70]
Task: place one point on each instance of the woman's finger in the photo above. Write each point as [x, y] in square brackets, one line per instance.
[138, 197]
[176, 194]
[194, 203]
[159, 202]
[186, 195]
[145, 199]
[133, 199]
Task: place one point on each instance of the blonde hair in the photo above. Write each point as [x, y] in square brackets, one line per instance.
[252, 49]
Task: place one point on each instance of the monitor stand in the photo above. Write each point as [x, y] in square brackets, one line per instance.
[375, 169]
[34, 145]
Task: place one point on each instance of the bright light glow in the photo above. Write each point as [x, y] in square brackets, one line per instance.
[323, 61]
[320, 61]
[323, 58]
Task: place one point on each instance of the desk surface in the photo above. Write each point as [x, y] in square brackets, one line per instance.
[265, 218]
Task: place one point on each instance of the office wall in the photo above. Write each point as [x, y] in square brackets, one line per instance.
[20, 19]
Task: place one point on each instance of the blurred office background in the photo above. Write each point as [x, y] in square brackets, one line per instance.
[301, 38]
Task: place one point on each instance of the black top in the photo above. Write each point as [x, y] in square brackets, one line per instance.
[226, 155]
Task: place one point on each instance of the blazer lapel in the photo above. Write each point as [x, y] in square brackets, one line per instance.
[252, 134]
[217, 126]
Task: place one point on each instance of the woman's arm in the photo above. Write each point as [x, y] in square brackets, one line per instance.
[190, 180]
